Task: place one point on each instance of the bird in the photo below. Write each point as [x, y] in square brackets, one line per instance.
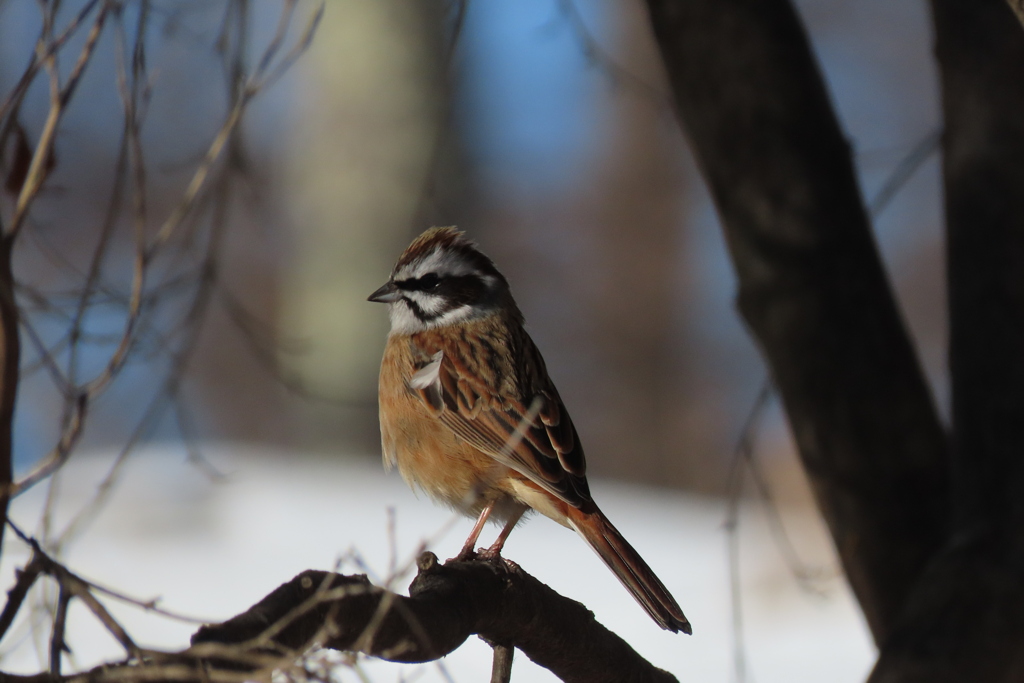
[470, 416]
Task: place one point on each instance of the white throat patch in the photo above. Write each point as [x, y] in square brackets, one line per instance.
[405, 321]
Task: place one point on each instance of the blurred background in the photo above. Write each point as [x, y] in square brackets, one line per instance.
[542, 128]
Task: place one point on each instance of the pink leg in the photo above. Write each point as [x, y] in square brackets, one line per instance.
[499, 543]
[468, 548]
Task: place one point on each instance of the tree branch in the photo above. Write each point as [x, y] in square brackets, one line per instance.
[446, 604]
[10, 354]
[812, 287]
[981, 58]
[966, 619]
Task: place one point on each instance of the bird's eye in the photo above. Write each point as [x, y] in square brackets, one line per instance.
[430, 281]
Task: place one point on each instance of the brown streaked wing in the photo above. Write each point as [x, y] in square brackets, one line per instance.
[546, 449]
[562, 436]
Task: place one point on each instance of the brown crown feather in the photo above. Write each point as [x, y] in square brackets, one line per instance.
[452, 239]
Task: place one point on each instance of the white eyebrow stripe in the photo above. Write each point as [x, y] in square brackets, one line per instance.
[444, 262]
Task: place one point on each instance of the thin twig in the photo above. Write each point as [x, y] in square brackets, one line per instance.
[57, 644]
[597, 55]
[26, 578]
[58, 103]
[173, 276]
[742, 452]
[13, 100]
[923, 150]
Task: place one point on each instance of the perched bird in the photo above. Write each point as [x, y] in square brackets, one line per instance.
[469, 414]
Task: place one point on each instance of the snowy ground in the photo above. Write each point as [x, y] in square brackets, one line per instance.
[211, 549]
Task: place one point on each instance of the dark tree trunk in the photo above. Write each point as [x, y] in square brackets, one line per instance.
[981, 57]
[966, 619]
[1018, 8]
[812, 288]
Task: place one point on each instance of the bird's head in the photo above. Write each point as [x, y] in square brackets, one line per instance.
[442, 279]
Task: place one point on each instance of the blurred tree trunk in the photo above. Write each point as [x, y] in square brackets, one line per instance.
[927, 528]
[812, 287]
[630, 214]
[965, 621]
[357, 171]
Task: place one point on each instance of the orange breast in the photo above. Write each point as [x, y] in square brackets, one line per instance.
[427, 453]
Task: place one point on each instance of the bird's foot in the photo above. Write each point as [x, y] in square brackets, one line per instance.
[467, 554]
[493, 554]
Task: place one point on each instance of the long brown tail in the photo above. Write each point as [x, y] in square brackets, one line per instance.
[630, 568]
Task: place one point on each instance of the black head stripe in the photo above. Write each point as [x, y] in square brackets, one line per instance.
[417, 311]
[460, 290]
[427, 283]
[452, 290]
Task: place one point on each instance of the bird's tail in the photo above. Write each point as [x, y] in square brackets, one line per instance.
[629, 567]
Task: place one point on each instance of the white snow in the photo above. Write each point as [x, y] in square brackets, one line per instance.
[213, 548]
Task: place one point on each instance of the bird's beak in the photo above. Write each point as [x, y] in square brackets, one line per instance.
[386, 294]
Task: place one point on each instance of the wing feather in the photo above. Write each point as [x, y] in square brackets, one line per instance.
[522, 425]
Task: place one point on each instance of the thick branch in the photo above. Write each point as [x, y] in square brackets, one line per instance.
[812, 287]
[966, 620]
[981, 57]
[446, 604]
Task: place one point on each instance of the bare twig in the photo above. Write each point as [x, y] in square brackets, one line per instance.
[208, 181]
[599, 57]
[162, 303]
[57, 643]
[10, 358]
[80, 590]
[59, 96]
[904, 171]
[50, 47]
[458, 21]
[26, 577]
[71, 586]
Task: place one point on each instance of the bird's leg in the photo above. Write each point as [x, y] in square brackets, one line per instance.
[499, 543]
[468, 550]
